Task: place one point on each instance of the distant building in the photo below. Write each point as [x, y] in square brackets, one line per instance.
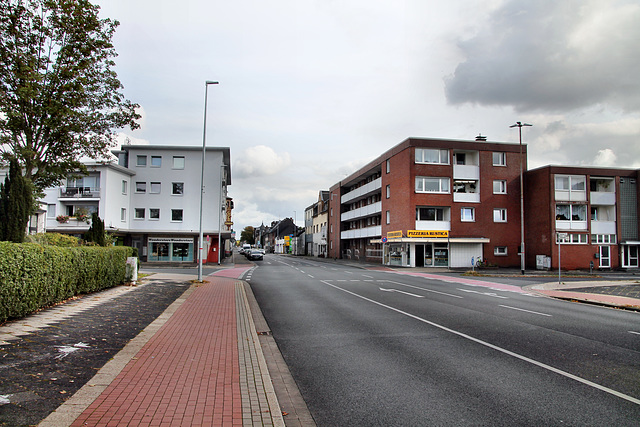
[576, 216]
[431, 203]
[150, 200]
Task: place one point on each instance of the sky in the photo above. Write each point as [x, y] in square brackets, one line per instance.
[311, 90]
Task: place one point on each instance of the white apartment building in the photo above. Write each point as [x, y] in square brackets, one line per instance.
[150, 199]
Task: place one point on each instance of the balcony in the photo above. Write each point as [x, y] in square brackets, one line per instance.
[361, 233]
[471, 172]
[371, 188]
[603, 227]
[602, 198]
[365, 211]
[433, 225]
[71, 224]
[466, 197]
[75, 193]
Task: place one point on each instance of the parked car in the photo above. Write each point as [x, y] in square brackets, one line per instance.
[255, 254]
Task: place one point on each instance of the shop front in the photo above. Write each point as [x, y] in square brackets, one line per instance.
[424, 248]
[170, 249]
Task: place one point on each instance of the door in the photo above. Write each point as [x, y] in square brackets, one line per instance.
[630, 256]
[605, 257]
[419, 255]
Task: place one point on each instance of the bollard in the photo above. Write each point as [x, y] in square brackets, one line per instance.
[132, 270]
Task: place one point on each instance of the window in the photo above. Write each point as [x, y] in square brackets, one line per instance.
[154, 213]
[141, 161]
[155, 188]
[178, 162]
[177, 188]
[176, 215]
[124, 186]
[141, 187]
[431, 214]
[388, 217]
[571, 212]
[467, 214]
[500, 215]
[156, 161]
[562, 182]
[432, 185]
[138, 213]
[123, 214]
[431, 155]
[603, 239]
[499, 159]
[388, 191]
[573, 238]
[51, 211]
[500, 250]
[499, 186]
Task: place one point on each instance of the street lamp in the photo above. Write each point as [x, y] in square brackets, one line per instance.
[519, 125]
[204, 143]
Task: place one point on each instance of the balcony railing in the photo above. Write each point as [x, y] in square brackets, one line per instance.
[602, 198]
[362, 212]
[359, 233]
[363, 191]
[79, 192]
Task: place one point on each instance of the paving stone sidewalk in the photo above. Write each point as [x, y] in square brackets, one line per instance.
[200, 366]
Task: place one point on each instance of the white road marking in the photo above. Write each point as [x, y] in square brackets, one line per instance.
[489, 294]
[423, 289]
[401, 292]
[495, 347]
[527, 311]
[633, 332]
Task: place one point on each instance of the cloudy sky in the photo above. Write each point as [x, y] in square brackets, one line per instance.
[312, 89]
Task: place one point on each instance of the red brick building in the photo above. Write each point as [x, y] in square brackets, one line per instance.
[431, 202]
[591, 212]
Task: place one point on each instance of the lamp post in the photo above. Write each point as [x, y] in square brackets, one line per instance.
[204, 143]
[519, 125]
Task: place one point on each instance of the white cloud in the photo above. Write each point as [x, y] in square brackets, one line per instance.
[260, 161]
[605, 157]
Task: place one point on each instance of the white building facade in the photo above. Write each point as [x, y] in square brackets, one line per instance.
[150, 199]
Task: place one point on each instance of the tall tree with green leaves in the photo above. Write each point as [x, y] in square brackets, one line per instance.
[247, 235]
[60, 98]
[96, 232]
[16, 205]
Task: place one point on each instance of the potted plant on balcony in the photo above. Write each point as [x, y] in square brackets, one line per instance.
[82, 215]
[62, 219]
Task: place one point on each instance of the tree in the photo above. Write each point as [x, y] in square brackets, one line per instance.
[96, 232]
[247, 235]
[60, 99]
[15, 205]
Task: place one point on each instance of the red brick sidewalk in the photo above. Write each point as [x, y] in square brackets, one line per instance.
[187, 374]
[199, 364]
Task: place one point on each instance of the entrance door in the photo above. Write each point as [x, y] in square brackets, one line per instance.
[605, 257]
[419, 255]
[630, 256]
[428, 255]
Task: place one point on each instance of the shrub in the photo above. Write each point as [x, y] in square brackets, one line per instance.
[54, 239]
[33, 276]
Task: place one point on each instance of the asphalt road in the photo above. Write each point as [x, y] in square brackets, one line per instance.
[378, 348]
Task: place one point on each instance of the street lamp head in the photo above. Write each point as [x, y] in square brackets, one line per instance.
[209, 82]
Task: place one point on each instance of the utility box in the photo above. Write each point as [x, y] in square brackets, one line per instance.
[132, 269]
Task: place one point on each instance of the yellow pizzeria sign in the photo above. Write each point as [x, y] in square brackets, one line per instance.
[394, 234]
[427, 233]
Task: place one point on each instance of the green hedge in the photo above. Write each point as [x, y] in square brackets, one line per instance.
[34, 276]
